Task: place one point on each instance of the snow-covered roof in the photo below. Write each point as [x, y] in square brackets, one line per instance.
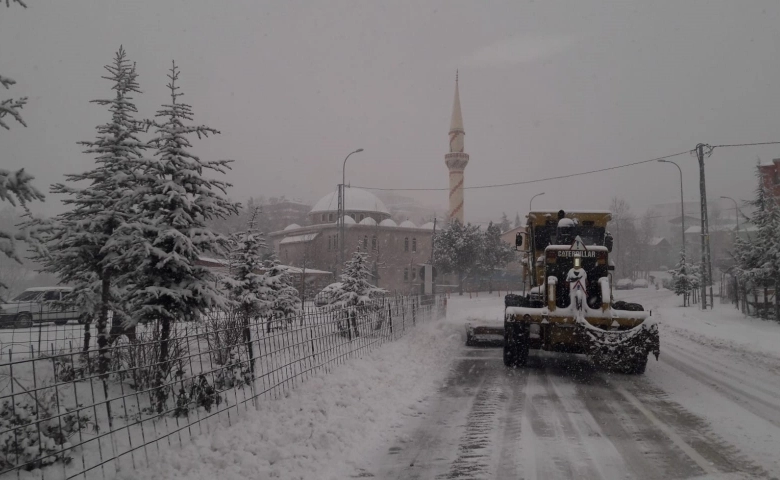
[655, 241]
[45, 289]
[299, 238]
[388, 222]
[348, 220]
[309, 271]
[368, 221]
[355, 199]
[292, 226]
[428, 225]
[407, 224]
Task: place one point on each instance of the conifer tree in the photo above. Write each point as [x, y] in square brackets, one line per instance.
[505, 225]
[247, 284]
[82, 246]
[169, 232]
[283, 297]
[355, 288]
[11, 106]
[517, 220]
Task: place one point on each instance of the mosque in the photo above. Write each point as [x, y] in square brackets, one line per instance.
[396, 251]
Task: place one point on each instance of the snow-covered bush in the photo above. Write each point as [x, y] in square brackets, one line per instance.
[195, 393]
[139, 359]
[36, 432]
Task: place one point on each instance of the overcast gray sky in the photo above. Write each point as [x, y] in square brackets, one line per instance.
[547, 88]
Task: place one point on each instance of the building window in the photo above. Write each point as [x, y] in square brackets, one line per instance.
[414, 244]
[414, 273]
[406, 244]
[406, 274]
[323, 217]
[373, 243]
[365, 243]
[330, 242]
[330, 217]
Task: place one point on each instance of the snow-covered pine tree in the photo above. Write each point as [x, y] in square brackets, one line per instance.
[169, 233]
[494, 253]
[15, 187]
[681, 283]
[456, 250]
[505, 224]
[355, 288]
[284, 300]
[11, 106]
[759, 257]
[517, 220]
[246, 284]
[82, 248]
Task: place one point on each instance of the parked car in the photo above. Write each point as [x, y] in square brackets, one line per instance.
[38, 305]
[325, 296]
[640, 283]
[624, 284]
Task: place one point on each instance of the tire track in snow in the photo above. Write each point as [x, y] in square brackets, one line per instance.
[718, 377]
[509, 459]
[476, 449]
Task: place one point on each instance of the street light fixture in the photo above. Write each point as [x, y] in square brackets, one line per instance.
[532, 201]
[736, 210]
[682, 203]
[341, 208]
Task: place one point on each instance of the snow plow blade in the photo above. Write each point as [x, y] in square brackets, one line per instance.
[484, 336]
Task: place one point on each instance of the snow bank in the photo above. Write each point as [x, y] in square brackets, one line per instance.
[320, 429]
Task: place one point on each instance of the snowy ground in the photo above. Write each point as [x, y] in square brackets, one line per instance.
[428, 407]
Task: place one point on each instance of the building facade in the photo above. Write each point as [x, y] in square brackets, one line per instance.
[770, 176]
[395, 251]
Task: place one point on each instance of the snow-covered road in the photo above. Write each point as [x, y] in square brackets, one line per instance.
[710, 408]
[428, 407]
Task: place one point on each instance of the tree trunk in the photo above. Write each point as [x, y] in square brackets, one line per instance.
[104, 356]
[162, 364]
[460, 283]
[87, 335]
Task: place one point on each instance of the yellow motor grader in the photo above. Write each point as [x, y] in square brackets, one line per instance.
[568, 305]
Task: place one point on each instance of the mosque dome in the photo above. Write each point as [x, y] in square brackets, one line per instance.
[355, 200]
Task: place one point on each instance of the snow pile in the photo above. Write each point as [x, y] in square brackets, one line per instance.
[319, 430]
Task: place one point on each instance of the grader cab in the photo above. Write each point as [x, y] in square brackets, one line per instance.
[567, 305]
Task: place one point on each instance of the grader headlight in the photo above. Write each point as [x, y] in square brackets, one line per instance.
[577, 262]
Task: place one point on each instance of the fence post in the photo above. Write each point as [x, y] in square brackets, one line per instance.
[390, 318]
[251, 354]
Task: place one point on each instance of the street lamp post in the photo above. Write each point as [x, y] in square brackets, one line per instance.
[342, 197]
[532, 201]
[682, 203]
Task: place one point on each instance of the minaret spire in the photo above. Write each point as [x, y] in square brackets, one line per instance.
[456, 123]
[456, 159]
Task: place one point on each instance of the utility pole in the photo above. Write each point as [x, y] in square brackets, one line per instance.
[340, 221]
[706, 259]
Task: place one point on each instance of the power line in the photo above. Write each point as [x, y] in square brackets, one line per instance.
[558, 177]
[744, 144]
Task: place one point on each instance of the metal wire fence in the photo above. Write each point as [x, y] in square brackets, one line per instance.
[62, 418]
